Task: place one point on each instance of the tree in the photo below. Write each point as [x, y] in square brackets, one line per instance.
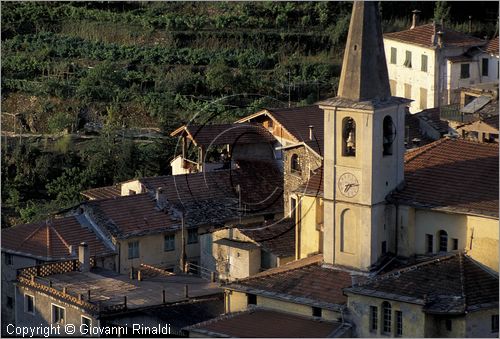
[441, 11]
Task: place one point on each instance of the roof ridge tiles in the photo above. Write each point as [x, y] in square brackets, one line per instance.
[31, 234]
[414, 153]
[60, 236]
[410, 268]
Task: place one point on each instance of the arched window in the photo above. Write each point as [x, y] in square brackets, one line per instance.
[389, 134]
[348, 137]
[294, 164]
[386, 317]
[443, 241]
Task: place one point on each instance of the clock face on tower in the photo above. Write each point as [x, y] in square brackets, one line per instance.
[348, 185]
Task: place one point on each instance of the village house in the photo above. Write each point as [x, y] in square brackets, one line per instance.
[146, 225]
[429, 63]
[244, 250]
[448, 297]
[96, 299]
[299, 135]
[482, 130]
[346, 218]
[383, 209]
[205, 148]
[50, 241]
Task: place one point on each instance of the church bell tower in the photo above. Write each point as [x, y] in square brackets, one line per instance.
[364, 149]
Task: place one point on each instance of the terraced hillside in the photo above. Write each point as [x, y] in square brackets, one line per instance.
[103, 68]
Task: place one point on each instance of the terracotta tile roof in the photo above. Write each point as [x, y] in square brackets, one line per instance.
[296, 120]
[205, 198]
[103, 192]
[261, 185]
[314, 186]
[455, 175]
[130, 215]
[304, 281]
[423, 36]
[468, 286]
[265, 323]
[52, 240]
[277, 238]
[222, 134]
[491, 46]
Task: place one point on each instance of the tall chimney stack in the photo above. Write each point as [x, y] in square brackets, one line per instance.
[84, 257]
[414, 22]
[440, 38]
[159, 192]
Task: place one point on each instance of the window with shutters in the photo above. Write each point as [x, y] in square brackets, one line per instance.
[394, 55]
[423, 63]
[407, 59]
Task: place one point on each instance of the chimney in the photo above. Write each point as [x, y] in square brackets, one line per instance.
[160, 199]
[311, 127]
[414, 21]
[159, 192]
[470, 24]
[84, 257]
[440, 39]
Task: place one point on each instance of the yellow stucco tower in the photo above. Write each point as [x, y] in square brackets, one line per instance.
[364, 149]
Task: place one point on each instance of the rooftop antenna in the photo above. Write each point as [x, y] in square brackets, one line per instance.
[238, 189]
[182, 260]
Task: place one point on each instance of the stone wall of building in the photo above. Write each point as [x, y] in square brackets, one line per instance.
[308, 161]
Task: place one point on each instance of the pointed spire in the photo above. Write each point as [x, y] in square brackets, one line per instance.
[364, 70]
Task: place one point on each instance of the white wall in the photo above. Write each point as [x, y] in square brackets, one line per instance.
[412, 76]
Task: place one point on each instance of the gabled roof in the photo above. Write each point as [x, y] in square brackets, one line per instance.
[260, 322]
[424, 36]
[454, 175]
[468, 286]
[492, 46]
[131, 215]
[277, 238]
[296, 121]
[52, 239]
[204, 198]
[223, 134]
[103, 192]
[303, 281]
[261, 184]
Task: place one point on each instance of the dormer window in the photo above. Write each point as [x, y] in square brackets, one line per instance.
[295, 165]
[348, 137]
[389, 135]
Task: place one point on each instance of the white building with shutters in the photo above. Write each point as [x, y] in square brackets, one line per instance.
[430, 63]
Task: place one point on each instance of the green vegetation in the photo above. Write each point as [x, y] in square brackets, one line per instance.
[125, 65]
